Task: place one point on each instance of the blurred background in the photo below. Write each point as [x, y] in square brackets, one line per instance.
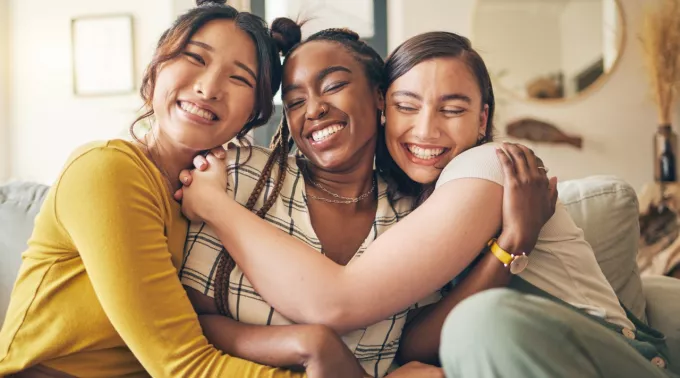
[564, 70]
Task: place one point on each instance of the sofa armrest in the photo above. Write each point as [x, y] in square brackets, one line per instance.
[663, 311]
[606, 209]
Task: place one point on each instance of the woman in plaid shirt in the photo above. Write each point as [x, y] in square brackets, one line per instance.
[571, 324]
[329, 197]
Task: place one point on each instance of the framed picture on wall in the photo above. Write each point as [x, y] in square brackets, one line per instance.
[103, 55]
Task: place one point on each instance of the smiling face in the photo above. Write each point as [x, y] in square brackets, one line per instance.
[330, 105]
[203, 97]
[434, 112]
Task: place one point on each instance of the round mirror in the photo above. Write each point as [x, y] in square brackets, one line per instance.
[549, 50]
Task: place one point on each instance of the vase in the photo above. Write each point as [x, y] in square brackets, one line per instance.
[665, 153]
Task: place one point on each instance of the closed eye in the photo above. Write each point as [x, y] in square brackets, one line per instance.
[195, 57]
[335, 87]
[243, 80]
[294, 104]
[404, 108]
[452, 112]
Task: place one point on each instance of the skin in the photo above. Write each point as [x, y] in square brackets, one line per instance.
[450, 117]
[300, 85]
[343, 163]
[321, 85]
[414, 255]
[213, 73]
[216, 73]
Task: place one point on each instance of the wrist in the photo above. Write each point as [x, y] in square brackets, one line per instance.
[312, 343]
[213, 209]
[512, 243]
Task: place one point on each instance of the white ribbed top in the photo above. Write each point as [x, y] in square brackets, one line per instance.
[562, 263]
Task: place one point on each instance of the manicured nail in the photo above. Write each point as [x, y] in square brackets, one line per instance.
[185, 179]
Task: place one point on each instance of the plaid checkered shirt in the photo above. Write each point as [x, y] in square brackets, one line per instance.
[374, 346]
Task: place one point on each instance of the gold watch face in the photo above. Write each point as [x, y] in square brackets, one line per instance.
[519, 263]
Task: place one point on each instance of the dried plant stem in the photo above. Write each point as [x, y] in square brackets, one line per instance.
[661, 43]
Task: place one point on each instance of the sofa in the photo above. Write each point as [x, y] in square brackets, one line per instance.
[605, 207]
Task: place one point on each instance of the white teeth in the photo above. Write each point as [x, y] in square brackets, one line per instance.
[324, 133]
[193, 109]
[425, 153]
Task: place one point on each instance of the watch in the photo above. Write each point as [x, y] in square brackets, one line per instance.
[517, 263]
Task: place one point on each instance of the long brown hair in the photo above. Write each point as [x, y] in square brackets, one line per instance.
[288, 31]
[268, 48]
[409, 54]
[175, 39]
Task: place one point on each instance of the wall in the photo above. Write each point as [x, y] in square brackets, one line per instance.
[581, 33]
[4, 89]
[47, 120]
[497, 28]
[181, 6]
[616, 121]
[354, 14]
[406, 18]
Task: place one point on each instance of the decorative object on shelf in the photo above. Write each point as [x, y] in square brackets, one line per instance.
[543, 132]
[103, 55]
[661, 45]
[665, 152]
[546, 87]
[549, 51]
[659, 243]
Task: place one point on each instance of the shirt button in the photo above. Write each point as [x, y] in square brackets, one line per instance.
[627, 333]
[658, 361]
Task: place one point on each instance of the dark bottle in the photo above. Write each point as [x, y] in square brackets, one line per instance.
[667, 163]
[664, 154]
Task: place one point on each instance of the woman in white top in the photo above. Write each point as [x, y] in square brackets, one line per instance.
[439, 105]
[333, 92]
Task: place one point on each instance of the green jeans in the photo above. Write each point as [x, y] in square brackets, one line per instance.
[509, 333]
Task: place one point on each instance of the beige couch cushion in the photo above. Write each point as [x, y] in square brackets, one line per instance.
[606, 208]
[19, 204]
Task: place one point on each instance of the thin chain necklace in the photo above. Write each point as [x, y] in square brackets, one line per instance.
[336, 197]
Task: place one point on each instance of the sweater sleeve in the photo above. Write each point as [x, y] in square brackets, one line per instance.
[477, 162]
[107, 202]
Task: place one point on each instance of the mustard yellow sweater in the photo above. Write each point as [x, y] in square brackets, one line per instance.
[98, 292]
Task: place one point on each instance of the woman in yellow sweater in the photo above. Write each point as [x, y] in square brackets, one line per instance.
[98, 293]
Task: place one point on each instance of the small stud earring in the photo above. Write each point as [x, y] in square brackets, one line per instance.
[382, 118]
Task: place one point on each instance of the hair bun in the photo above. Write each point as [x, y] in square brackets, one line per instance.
[287, 33]
[200, 3]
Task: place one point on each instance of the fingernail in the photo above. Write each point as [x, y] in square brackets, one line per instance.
[185, 179]
[201, 166]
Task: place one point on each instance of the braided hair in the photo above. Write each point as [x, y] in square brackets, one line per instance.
[287, 33]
